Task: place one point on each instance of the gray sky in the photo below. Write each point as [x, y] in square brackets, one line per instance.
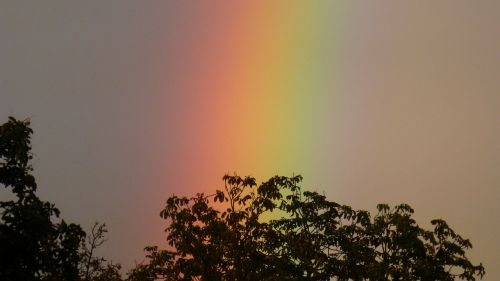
[416, 115]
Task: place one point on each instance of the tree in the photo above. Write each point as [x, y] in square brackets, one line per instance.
[33, 247]
[405, 251]
[229, 235]
[93, 268]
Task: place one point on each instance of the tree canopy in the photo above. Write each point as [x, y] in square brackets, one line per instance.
[34, 243]
[277, 231]
[33, 247]
[271, 231]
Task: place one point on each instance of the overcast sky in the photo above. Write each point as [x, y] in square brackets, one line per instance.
[107, 85]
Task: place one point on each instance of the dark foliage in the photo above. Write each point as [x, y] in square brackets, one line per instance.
[33, 246]
[276, 231]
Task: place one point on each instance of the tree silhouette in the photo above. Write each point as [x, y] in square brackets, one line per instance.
[229, 235]
[274, 231]
[33, 247]
[93, 268]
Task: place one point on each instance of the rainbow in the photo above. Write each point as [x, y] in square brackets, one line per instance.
[248, 90]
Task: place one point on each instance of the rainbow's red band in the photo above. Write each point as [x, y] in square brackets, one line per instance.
[260, 87]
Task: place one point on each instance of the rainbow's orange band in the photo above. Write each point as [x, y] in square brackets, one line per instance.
[260, 87]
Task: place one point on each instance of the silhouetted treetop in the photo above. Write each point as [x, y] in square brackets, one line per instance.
[34, 243]
[276, 231]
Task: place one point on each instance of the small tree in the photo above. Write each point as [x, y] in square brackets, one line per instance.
[93, 268]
